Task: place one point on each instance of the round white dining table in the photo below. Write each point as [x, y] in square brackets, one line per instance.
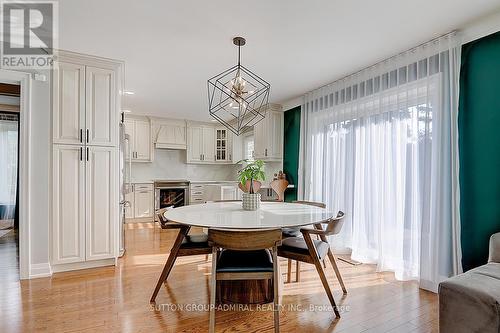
[230, 215]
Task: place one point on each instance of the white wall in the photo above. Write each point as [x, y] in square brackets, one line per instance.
[171, 164]
[40, 142]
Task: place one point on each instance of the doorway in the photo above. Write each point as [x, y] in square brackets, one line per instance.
[9, 181]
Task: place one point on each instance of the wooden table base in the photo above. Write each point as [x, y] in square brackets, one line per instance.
[245, 292]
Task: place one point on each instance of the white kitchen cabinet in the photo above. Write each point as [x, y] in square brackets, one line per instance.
[207, 144]
[85, 110]
[143, 201]
[84, 191]
[201, 144]
[215, 192]
[196, 194]
[101, 116]
[129, 208]
[170, 134]
[139, 131]
[223, 145]
[268, 136]
[68, 204]
[68, 103]
[101, 202]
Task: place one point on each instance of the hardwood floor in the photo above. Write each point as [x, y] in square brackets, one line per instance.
[116, 299]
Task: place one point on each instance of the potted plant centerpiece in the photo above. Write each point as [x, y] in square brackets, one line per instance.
[251, 174]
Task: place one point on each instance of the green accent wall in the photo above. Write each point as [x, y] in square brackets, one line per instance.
[291, 150]
[479, 144]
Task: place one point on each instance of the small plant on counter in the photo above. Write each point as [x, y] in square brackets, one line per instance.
[254, 171]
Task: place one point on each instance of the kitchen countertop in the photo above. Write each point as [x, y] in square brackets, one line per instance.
[264, 186]
[214, 182]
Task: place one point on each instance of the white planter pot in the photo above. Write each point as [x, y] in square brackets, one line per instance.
[251, 201]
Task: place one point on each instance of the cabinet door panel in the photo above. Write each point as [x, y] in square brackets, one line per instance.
[129, 210]
[143, 203]
[102, 203]
[68, 211]
[142, 140]
[208, 144]
[276, 140]
[69, 103]
[101, 106]
[260, 138]
[195, 141]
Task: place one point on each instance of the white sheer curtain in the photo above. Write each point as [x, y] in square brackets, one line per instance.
[8, 165]
[381, 145]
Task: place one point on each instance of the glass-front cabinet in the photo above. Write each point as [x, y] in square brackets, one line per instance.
[222, 145]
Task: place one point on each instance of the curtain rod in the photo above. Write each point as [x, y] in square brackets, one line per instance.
[451, 33]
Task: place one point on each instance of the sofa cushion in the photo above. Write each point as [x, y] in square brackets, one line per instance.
[470, 302]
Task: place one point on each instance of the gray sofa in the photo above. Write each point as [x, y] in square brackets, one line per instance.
[470, 302]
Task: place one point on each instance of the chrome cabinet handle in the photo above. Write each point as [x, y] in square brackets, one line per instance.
[87, 136]
[81, 153]
[81, 135]
[87, 154]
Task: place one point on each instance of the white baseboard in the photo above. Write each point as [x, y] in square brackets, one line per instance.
[40, 270]
[83, 265]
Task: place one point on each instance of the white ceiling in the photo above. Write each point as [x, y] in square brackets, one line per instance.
[171, 48]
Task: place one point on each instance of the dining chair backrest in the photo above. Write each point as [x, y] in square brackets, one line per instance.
[161, 217]
[279, 186]
[244, 240]
[310, 203]
[334, 224]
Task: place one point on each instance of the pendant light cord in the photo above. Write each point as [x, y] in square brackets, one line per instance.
[239, 48]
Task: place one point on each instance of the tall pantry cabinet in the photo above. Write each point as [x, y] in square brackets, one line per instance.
[85, 125]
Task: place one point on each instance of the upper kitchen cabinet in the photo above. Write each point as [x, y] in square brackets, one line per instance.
[200, 143]
[69, 103]
[100, 115]
[268, 135]
[169, 134]
[207, 144]
[140, 147]
[86, 100]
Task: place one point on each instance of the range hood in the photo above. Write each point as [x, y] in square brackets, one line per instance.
[171, 136]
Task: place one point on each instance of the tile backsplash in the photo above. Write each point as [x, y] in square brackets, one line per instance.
[171, 164]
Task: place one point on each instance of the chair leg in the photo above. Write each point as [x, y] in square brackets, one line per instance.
[170, 261]
[321, 272]
[276, 282]
[336, 269]
[213, 290]
[289, 271]
[297, 271]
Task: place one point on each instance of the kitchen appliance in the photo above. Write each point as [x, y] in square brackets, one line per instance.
[171, 193]
[125, 185]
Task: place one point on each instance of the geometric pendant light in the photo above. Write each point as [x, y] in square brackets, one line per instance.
[237, 97]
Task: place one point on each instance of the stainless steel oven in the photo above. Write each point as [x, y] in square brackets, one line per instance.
[171, 193]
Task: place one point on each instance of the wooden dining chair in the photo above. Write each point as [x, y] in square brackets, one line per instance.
[184, 245]
[279, 186]
[295, 232]
[310, 251]
[245, 255]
